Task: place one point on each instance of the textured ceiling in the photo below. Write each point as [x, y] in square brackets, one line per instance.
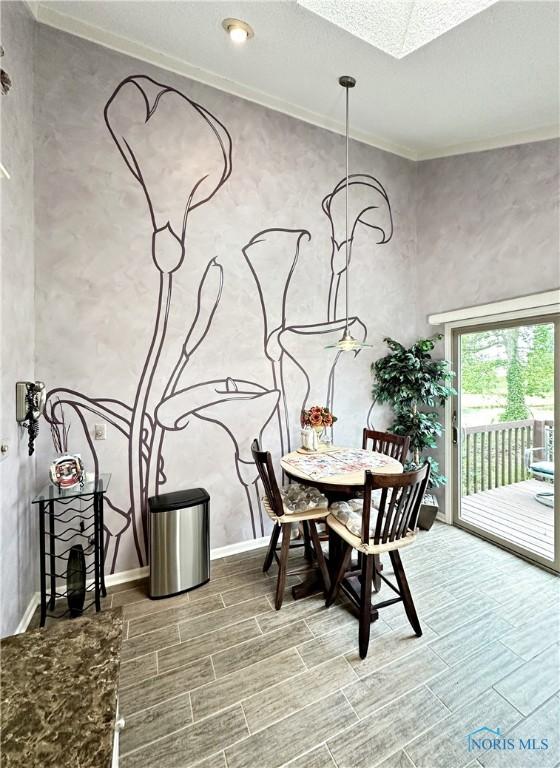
[397, 27]
[491, 81]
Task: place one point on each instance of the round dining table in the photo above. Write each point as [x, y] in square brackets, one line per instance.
[343, 484]
[336, 486]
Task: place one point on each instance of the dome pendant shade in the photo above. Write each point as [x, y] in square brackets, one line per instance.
[347, 343]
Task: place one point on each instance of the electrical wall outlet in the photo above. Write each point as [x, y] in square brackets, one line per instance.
[100, 431]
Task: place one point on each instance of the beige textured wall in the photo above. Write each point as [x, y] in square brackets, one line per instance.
[17, 345]
[467, 230]
[97, 284]
[488, 226]
[488, 229]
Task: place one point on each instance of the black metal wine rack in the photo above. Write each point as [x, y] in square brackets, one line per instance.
[63, 523]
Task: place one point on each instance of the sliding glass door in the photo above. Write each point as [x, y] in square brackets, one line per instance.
[504, 435]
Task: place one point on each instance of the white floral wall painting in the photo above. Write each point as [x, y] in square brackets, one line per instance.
[154, 126]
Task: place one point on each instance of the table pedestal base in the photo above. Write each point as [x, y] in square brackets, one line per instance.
[313, 583]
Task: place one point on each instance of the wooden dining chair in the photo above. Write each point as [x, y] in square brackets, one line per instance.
[372, 532]
[395, 446]
[284, 518]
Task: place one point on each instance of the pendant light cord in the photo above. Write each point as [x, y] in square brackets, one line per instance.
[347, 343]
[347, 182]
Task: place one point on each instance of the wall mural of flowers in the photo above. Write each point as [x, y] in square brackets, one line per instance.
[137, 115]
[369, 206]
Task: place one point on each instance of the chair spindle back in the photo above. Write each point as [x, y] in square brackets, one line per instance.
[395, 446]
[401, 497]
[263, 462]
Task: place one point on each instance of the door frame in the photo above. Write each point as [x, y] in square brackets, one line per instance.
[542, 306]
[456, 333]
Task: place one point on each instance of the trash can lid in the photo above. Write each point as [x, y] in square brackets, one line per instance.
[178, 500]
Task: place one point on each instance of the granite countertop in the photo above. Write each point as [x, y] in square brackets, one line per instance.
[59, 693]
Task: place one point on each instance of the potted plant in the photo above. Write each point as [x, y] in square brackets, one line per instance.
[414, 384]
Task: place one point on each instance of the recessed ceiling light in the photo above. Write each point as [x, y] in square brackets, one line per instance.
[238, 30]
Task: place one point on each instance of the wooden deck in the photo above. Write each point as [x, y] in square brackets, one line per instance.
[513, 514]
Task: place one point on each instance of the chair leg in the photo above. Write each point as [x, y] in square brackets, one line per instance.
[283, 565]
[338, 574]
[307, 547]
[271, 547]
[377, 567]
[365, 604]
[320, 556]
[335, 550]
[405, 592]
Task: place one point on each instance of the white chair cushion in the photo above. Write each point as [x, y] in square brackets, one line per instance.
[300, 503]
[349, 513]
[368, 549]
[299, 499]
[375, 497]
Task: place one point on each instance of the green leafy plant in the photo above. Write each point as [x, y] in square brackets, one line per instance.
[411, 381]
[540, 362]
[510, 365]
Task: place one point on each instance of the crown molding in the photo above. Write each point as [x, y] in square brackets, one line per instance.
[52, 18]
[33, 8]
[497, 142]
[48, 16]
[545, 301]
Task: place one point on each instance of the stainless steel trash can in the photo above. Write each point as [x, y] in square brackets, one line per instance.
[179, 541]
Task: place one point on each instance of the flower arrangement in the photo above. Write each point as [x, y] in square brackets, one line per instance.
[318, 417]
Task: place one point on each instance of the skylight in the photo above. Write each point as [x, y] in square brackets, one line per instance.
[397, 27]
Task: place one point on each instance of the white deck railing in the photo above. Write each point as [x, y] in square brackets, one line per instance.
[494, 454]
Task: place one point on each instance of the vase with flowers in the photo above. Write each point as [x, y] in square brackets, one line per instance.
[319, 418]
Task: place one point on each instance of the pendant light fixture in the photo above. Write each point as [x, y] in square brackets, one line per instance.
[347, 343]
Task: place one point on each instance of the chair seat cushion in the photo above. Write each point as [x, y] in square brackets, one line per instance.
[543, 467]
[375, 498]
[300, 503]
[368, 549]
[302, 498]
[349, 513]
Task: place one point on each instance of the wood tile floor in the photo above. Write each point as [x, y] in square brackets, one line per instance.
[218, 679]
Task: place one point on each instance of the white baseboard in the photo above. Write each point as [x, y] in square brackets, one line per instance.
[112, 579]
[241, 546]
[215, 554]
[28, 615]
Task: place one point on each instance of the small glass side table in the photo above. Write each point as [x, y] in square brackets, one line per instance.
[73, 514]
